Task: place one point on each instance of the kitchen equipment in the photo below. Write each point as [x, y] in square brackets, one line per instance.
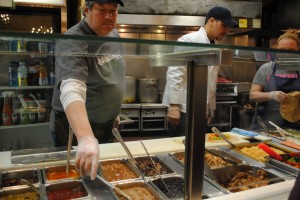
[280, 130]
[28, 183]
[209, 172]
[120, 139]
[215, 130]
[130, 90]
[270, 151]
[148, 90]
[260, 121]
[153, 163]
[69, 149]
[114, 187]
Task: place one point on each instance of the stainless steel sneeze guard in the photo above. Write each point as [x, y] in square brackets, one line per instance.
[162, 55]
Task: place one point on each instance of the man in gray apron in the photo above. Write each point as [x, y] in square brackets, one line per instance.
[89, 90]
[270, 86]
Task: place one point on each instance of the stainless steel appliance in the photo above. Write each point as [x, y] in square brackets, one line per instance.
[146, 117]
[226, 100]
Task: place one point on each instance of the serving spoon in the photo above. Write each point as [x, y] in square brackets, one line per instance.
[153, 163]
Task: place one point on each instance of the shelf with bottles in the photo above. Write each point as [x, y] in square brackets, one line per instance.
[32, 74]
[25, 107]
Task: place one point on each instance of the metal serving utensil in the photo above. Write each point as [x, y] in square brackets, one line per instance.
[280, 130]
[215, 130]
[118, 190]
[263, 125]
[69, 150]
[153, 163]
[31, 186]
[209, 172]
[118, 136]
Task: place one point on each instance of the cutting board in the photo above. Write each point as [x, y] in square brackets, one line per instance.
[239, 139]
[259, 137]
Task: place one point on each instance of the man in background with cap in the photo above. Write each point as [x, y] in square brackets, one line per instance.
[217, 23]
[89, 90]
[270, 87]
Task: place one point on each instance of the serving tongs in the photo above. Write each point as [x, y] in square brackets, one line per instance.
[280, 130]
[215, 130]
[156, 169]
[219, 154]
[31, 186]
[69, 150]
[118, 190]
[118, 136]
[263, 125]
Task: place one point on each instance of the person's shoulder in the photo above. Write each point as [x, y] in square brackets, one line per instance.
[114, 33]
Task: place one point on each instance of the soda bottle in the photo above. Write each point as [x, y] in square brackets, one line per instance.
[43, 75]
[15, 106]
[52, 76]
[13, 74]
[22, 74]
[24, 112]
[6, 112]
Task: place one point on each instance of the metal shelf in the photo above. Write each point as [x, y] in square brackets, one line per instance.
[23, 126]
[26, 87]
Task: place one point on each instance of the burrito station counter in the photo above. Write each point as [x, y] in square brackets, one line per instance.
[162, 146]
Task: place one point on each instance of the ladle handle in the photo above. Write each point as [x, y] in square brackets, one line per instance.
[69, 150]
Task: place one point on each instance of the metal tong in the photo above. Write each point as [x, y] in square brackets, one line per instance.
[263, 125]
[31, 186]
[118, 190]
[120, 139]
[69, 150]
[215, 130]
[118, 136]
[153, 163]
[280, 130]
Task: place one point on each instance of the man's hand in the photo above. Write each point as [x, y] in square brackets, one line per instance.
[278, 96]
[173, 115]
[87, 156]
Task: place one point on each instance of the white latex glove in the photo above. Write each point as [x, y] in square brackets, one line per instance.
[278, 96]
[87, 155]
[173, 115]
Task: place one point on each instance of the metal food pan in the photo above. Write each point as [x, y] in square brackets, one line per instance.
[118, 162]
[60, 172]
[12, 178]
[136, 184]
[225, 174]
[174, 183]
[282, 165]
[178, 157]
[261, 158]
[61, 189]
[150, 172]
[21, 192]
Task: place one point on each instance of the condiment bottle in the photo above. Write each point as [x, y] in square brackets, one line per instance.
[22, 74]
[6, 112]
[43, 75]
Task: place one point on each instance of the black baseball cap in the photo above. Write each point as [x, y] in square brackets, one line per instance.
[105, 1]
[222, 14]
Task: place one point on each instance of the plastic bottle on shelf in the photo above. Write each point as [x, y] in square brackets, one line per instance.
[33, 74]
[52, 75]
[15, 106]
[24, 112]
[6, 111]
[43, 75]
[22, 74]
[13, 74]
